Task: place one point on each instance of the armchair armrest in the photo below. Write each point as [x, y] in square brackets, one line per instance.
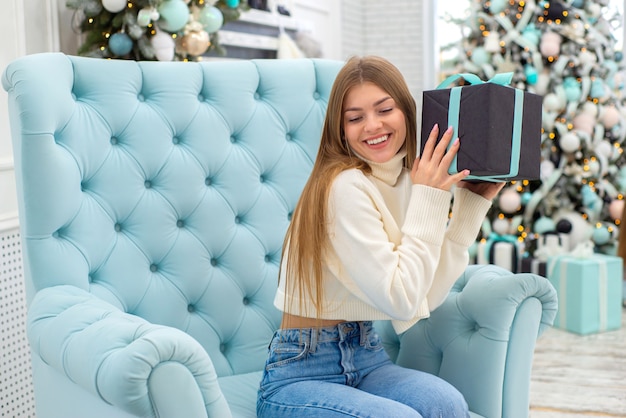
[482, 338]
[144, 369]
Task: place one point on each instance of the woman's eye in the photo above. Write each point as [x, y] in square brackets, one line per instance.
[388, 109]
[354, 119]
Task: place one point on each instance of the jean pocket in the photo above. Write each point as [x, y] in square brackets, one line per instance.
[282, 353]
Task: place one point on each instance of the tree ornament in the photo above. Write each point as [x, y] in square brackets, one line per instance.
[211, 18]
[164, 46]
[555, 10]
[584, 122]
[581, 229]
[497, 6]
[616, 209]
[572, 89]
[147, 15]
[543, 224]
[500, 226]
[569, 142]
[553, 103]
[492, 42]
[120, 44]
[173, 15]
[509, 201]
[114, 6]
[601, 235]
[480, 56]
[232, 3]
[610, 116]
[531, 74]
[550, 44]
[196, 42]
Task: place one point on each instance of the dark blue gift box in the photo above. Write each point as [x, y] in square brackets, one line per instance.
[499, 126]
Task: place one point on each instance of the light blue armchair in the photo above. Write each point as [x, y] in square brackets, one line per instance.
[153, 202]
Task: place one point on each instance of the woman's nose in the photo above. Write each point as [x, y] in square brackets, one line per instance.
[373, 123]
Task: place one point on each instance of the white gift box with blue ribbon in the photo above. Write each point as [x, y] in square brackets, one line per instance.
[589, 289]
[499, 127]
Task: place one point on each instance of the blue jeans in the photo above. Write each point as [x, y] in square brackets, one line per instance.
[344, 371]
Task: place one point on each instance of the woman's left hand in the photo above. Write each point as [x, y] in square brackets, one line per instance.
[486, 189]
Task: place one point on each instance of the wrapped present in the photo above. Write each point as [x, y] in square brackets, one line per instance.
[589, 288]
[501, 250]
[499, 126]
[534, 265]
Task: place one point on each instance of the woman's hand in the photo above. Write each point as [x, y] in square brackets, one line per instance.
[486, 189]
[431, 167]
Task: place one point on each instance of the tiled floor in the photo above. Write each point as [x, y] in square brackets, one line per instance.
[579, 376]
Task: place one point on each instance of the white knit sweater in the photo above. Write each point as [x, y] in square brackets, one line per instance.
[394, 254]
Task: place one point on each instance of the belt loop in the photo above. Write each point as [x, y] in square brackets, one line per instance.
[313, 337]
[363, 330]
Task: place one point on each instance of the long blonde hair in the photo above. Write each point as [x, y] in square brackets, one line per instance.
[307, 234]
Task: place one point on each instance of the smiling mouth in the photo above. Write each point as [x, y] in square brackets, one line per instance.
[377, 140]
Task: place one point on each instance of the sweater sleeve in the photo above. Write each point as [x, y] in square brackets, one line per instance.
[395, 279]
[468, 212]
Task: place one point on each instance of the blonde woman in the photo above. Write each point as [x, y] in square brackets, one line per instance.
[370, 239]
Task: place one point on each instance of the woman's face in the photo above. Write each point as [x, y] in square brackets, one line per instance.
[374, 125]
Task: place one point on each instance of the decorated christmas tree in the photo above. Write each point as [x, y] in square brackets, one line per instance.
[163, 30]
[566, 52]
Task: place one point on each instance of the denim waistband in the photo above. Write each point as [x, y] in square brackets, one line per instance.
[312, 336]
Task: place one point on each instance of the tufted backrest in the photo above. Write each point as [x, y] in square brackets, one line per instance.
[166, 188]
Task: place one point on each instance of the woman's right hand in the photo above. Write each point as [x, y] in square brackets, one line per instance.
[431, 167]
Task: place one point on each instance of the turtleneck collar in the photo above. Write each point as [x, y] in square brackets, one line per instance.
[389, 171]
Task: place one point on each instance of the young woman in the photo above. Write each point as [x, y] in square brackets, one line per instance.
[370, 239]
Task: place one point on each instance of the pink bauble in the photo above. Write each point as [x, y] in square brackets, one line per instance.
[610, 117]
[616, 209]
[550, 44]
[584, 122]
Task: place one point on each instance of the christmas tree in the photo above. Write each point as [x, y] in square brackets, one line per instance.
[566, 52]
[163, 30]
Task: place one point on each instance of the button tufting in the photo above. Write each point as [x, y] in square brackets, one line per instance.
[245, 301]
[175, 140]
[180, 223]
[141, 97]
[288, 137]
[117, 227]
[233, 139]
[214, 262]
[257, 96]
[268, 258]
[222, 348]
[153, 268]
[237, 219]
[207, 181]
[262, 178]
[200, 97]
[56, 234]
[147, 184]
[74, 96]
[289, 215]
[316, 95]
[82, 186]
[191, 308]
[114, 140]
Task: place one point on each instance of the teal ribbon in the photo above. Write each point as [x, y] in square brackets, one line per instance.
[453, 119]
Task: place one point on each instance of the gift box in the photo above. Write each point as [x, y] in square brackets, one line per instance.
[589, 291]
[534, 265]
[501, 250]
[499, 126]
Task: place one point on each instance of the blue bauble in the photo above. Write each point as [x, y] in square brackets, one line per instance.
[174, 15]
[531, 74]
[480, 56]
[232, 3]
[211, 18]
[497, 6]
[601, 235]
[579, 4]
[572, 89]
[526, 198]
[597, 88]
[120, 44]
[618, 56]
[543, 225]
